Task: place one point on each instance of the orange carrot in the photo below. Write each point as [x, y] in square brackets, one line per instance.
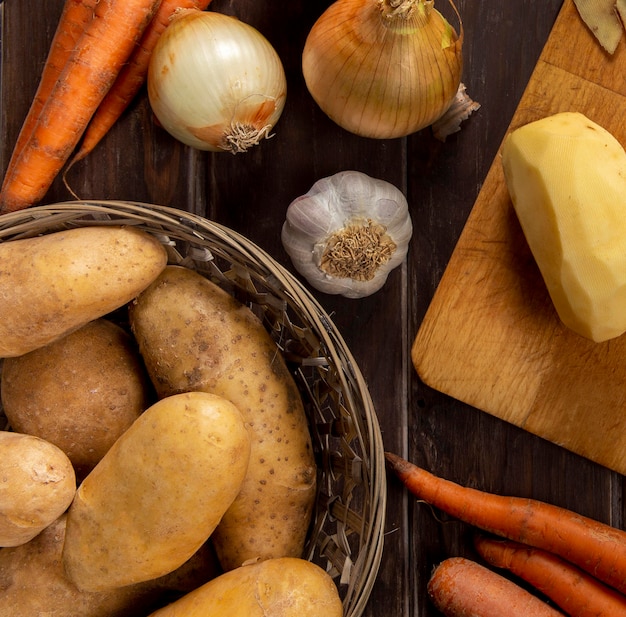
[76, 14]
[460, 587]
[576, 592]
[99, 54]
[596, 548]
[132, 76]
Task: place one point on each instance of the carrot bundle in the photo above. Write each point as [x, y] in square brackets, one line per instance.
[594, 547]
[75, 16]
[574, 591]
[132, 76]
[99, 53]
[461, 587]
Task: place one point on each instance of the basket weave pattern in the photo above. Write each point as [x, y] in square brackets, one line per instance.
[346, 535]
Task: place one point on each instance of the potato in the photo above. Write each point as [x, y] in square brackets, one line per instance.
[80, 392]
[34, 584]
[37, 484]
[283, 587]
[195, 336]
[52, 284]
[157, 495]
[567, 180]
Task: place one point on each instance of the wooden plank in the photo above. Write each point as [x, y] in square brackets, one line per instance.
[249, 192]
[503, 41]
[491, 337]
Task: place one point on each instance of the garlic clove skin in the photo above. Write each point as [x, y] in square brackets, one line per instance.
[347, 233]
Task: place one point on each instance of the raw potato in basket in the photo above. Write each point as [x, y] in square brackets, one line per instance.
[284, 587]
[158, 493]
[53, 284]
[34, 584]
[80, 392]
[193, 335]
[37, 485]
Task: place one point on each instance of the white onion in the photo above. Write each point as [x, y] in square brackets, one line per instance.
[216, 83]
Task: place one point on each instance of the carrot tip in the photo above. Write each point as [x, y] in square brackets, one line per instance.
[397, 464]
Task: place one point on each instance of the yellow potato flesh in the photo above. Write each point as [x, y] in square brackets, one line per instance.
[284, 587]
[158, 493]
[566, 177]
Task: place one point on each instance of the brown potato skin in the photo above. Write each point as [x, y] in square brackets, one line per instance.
[38, 484]
[80, 392]
[53, 284]
[32, 582]
[157, 494]
[193, 335]
[284, 587]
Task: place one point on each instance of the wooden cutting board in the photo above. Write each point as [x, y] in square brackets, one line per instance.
[491, 337]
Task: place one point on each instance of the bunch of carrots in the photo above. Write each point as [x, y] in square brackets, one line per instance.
[576, 562]
[97, 63]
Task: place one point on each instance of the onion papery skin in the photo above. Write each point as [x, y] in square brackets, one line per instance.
[382, 77]
[212, 78]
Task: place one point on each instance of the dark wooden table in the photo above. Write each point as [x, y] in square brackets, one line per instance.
[250, 194]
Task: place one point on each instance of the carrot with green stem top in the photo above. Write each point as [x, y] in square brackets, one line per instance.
[75, 16]
[98, 56]
[460, 587]
[593, 546]
[577, 593]
[132, 76]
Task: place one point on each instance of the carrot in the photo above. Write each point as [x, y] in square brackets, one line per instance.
[459, 587]
[132, 77]
[574, 591]
[99, 54]
[75, 16]
[594, 547]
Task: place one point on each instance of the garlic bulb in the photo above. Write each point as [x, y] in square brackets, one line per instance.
[383, 68]
[347, 233]
[215, 83]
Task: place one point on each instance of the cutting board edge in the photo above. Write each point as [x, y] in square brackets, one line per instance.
[614, 463]
[429, 331]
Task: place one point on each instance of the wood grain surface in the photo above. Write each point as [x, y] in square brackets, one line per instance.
[503, 41]
[491, 337]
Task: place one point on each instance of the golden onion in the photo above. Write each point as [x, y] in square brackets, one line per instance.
[383, 68]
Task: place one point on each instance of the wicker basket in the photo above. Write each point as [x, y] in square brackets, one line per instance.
[346, 536]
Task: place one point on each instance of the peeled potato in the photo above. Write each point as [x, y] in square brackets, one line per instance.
[284, 587]
[157, 495]
[51, 285]
[566, 176]
[37, 484]
[80, 392]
